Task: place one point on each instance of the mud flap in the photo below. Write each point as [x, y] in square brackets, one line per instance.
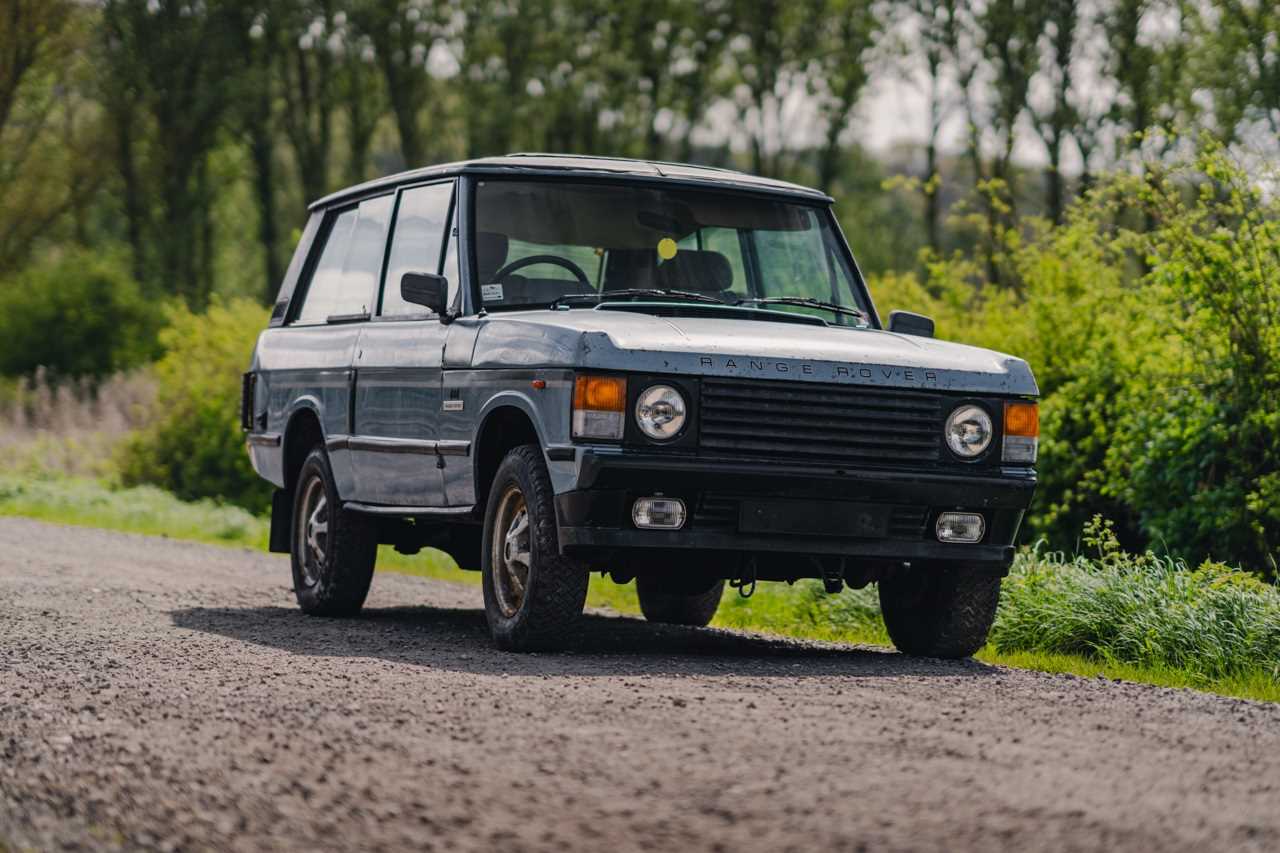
[281, 516]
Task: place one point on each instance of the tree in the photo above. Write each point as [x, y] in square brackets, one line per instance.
[1239, 63]
[1148, 72]
[26, 29]
[44, 129]
[769, 53]
[401, 33]
[500, 49]
[363, 99]
[1054, 122]
[850, 33]
[255, 117]
[1010, 40]
[172, 60]
[933, 22]
[304, 68]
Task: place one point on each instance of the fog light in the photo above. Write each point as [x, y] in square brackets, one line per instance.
[966, 527]
[658, 513]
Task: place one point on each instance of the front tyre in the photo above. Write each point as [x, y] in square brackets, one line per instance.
[332, 549]
[939, 611]
[533, 596]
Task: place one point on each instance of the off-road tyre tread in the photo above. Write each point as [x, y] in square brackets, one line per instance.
[550, 616]
[940, 612]
[353, 550]
[658, 604]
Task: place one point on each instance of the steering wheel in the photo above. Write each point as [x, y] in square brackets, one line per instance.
[545, 259]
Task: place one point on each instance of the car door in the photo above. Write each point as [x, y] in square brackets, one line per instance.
[398, 363]
[312, 351]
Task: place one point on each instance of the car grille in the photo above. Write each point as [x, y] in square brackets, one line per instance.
[719, 511]
[821, 423]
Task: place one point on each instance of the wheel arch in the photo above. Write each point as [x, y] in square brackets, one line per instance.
[302, 433]
[508, 422]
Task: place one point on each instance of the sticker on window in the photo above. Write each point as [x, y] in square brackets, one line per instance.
[491, 292]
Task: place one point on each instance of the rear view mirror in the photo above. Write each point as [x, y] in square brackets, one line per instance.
[426, 289]
[908, 323]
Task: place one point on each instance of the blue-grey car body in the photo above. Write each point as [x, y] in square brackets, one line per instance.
[402, 403]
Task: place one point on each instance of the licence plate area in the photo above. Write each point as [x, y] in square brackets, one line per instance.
[815, 518]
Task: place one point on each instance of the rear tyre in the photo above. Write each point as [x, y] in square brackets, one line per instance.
[940, 611]
[677, 604]
[533, 595]
[332, 550]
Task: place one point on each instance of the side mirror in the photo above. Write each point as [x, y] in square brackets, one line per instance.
[908, 323]
[426, 289]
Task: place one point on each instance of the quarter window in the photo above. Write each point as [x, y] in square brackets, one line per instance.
[415, 245]
[345, 278]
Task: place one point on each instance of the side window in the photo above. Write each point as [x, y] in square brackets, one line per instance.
[416, 243]
[345, 277]
[326, 279]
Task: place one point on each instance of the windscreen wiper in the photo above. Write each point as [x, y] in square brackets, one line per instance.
[638, 291]
[805, 302]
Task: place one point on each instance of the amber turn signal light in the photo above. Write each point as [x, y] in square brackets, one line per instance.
[598, 406]
[1022, 419]
[600, 393]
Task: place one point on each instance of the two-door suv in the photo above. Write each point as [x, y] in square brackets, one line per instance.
[548, 366]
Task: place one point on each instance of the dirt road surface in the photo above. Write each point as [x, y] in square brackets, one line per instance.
[165, 695]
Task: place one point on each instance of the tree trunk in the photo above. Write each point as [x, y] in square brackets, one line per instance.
[261, 151]
[1053, 176]
[932, 203]
[132, 195]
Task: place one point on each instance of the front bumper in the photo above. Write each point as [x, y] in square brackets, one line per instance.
[595, 518]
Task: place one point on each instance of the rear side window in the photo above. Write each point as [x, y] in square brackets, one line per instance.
[345, 277]
[415, 246]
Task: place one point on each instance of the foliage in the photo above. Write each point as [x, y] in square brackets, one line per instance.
[141, 509]
[1199, 455]
[49, 136]
[806, 610]
[1213, 622]
[1157, 353]
[78, 314]
[192, 445]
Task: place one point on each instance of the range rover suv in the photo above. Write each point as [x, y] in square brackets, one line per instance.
[549, 366]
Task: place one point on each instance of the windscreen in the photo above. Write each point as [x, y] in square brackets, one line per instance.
[542, 241]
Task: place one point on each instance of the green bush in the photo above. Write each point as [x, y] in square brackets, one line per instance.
[77, 315]
[1213, 622]
[193, 446]
[1157, 354]
[1199, 459]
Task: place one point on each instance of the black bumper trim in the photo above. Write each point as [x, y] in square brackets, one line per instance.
[595, 517]
[576, 539]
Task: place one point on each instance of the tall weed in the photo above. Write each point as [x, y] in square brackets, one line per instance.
[1212, 621]
[70, 427]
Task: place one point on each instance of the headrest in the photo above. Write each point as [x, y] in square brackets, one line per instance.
[699, 270]
[491, 253]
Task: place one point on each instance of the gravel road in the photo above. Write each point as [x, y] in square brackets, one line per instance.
[158, 694]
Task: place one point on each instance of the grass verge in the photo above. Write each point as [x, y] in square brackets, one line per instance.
[1040, 625]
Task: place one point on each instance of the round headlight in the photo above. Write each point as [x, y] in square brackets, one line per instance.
[968, 431]
[661, 412]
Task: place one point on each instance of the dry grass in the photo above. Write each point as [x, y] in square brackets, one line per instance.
[70, 428]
